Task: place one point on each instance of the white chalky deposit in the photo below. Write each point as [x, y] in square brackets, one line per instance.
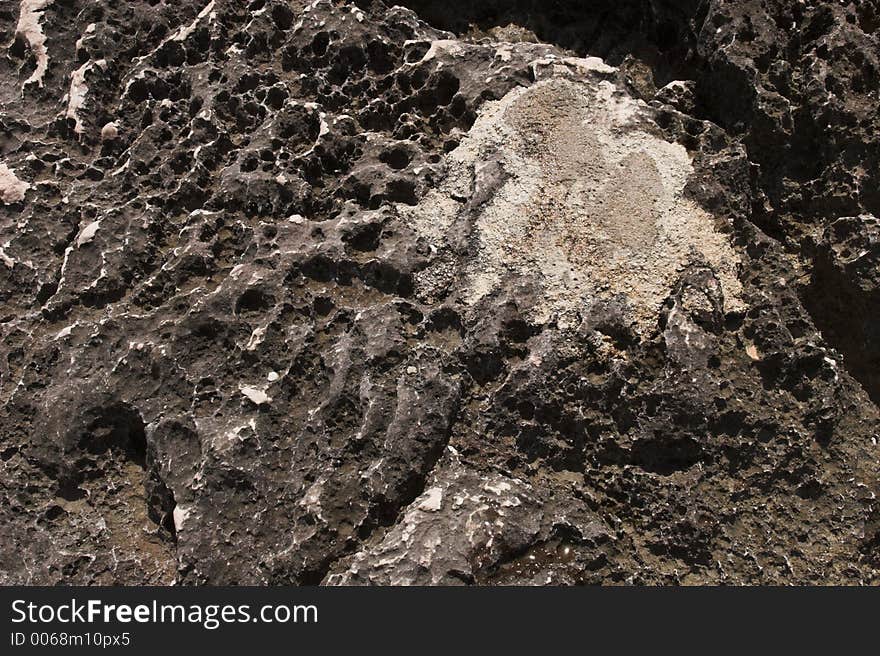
[569, 185]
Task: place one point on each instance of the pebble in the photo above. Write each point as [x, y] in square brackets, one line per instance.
[109, 131]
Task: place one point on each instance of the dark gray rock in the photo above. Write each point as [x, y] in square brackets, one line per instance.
[241, 339]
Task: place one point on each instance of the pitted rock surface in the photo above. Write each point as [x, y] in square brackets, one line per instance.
[462, 292]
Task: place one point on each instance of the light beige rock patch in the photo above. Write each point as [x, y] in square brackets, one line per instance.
[29, 28]
[566, 183]
[12, 190]
[79, 89]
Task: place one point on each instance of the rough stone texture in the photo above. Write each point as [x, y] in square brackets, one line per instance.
[569, 293]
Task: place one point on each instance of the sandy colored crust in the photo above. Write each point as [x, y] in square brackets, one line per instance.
[574, 187]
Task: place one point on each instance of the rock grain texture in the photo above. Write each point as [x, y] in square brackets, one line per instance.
[515, 292]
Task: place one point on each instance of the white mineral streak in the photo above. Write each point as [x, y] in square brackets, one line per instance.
[88, 34]
[79, 90]
[88, 233]
[181, 34]
[179, 515]
[184, 32]
[576, 192]
[12, 190]
[29, 28]
[8, 262]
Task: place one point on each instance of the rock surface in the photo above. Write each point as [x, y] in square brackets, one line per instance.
[463, 292]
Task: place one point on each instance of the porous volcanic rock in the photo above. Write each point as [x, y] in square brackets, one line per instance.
[450, 292]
